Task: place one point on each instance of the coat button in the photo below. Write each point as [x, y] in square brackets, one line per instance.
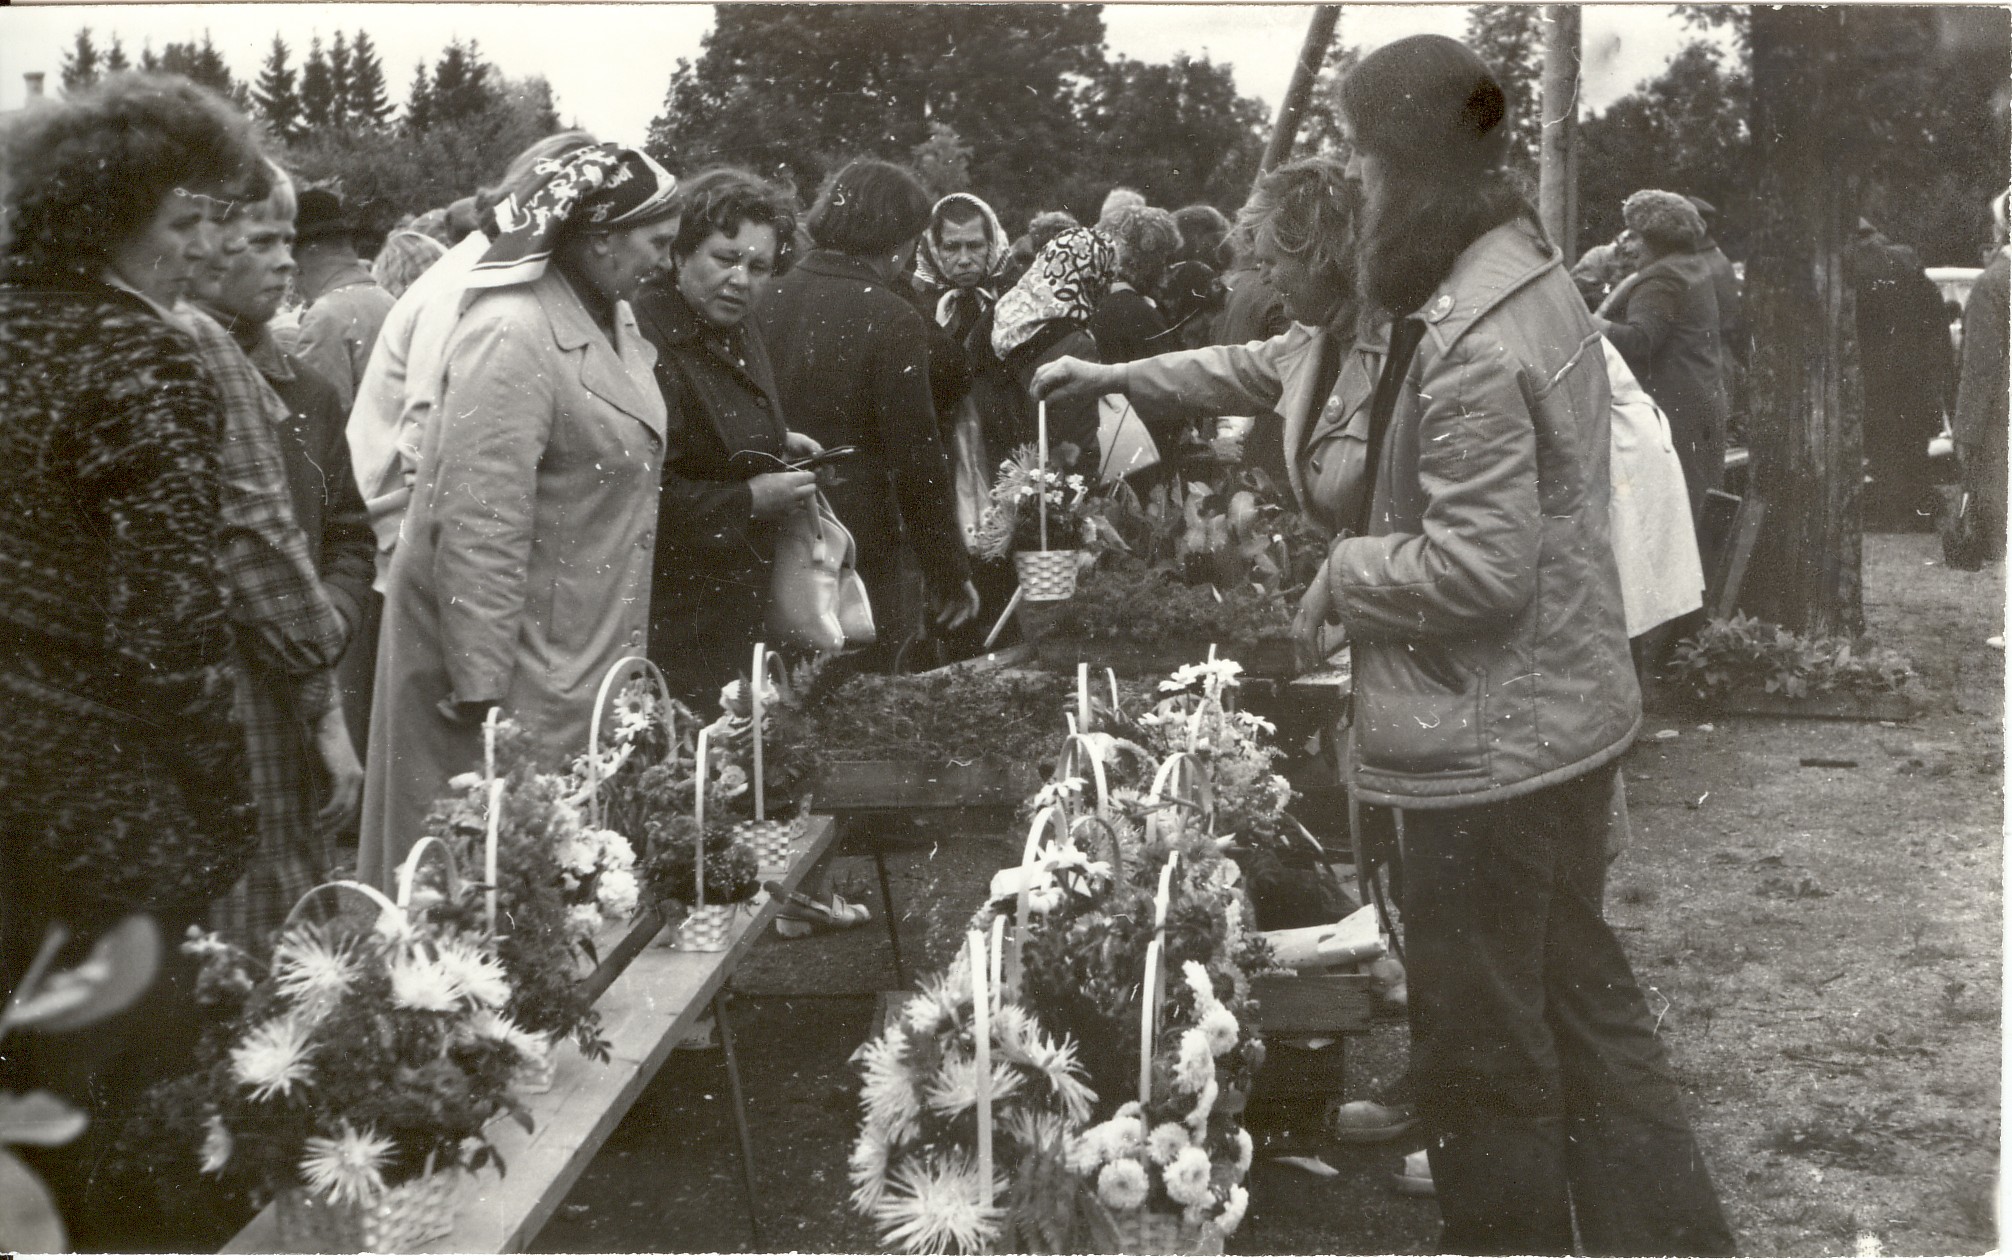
[1441, 308]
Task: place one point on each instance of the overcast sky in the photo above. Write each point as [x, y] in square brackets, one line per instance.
[609, 64]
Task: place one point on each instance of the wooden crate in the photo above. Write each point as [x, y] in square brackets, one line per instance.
[1305, 1007]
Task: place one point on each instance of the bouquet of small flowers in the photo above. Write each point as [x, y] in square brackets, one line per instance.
[1196, 713]
[358, 1059]
[670, 877]
[641, 733]
[914, 1168]
[1012, 518]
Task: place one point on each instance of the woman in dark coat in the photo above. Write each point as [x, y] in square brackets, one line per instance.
[1045, 317]
[726, 487]
[1664, 320]
[852, 366]
[123, 784]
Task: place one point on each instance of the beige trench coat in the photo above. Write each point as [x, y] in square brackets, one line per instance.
[524, 570]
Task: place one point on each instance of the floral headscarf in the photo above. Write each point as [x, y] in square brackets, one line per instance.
[929, 272]
[1069, 278]
[600, 185]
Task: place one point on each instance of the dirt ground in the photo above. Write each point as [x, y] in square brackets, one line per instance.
[1823, 945]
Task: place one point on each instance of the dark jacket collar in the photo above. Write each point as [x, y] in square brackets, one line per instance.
[830, 262]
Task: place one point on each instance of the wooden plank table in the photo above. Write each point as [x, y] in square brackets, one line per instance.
[646, 1010]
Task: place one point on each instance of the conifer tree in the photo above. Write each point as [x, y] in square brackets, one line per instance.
[276, 94]
[369, 104]
[115, 57]
[419, 101]
[339, 82]
[82, 63]
[317, 92]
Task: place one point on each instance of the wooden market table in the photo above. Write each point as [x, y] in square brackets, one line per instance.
[650, 997]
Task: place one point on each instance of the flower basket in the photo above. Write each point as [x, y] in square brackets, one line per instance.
[404, 1218]
[1046, 576]
[706, 929]
[772, 839]
[1144, 1232]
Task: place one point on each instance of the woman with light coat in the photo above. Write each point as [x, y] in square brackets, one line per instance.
[524, 570]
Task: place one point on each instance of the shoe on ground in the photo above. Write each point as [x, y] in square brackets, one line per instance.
[1415, 1177]
[834, 914]
[1361, 1123]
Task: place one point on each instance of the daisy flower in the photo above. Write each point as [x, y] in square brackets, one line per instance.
[217, 1145]
[1166, 1142]
[420, 982]
[1187, 1177]
[932, 1205]
[272, 1058]
[1233, 1211]
[311, 971]
[347, 1168]
[635, 710]
[1122, 1185]
[478, 977]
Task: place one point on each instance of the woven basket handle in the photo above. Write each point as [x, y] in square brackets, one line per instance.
[340, 888]
[1153, 991]
[408, 870]
[1075, 744]
[983, 963]
[765, 661]
[1114, 849]
[700, 765]
[493, 820]
[1165, 780]
[617, 672]
[1046, 819]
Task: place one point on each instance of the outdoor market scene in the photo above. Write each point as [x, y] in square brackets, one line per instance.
[1105, 629]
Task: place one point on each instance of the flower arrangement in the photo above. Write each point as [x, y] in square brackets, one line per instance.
[1012, 519]
[915, 1168]
[558, 881]
[360, 1058]
[641, 735]
[670, 877]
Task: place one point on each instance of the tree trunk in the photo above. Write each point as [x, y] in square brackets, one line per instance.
[1803, 430]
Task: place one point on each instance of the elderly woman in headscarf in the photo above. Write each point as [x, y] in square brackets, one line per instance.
[524, 572]
[405, 257]
[1046, 317]
[1664, 320]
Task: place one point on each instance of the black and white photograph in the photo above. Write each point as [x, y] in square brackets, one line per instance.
[1049, 628]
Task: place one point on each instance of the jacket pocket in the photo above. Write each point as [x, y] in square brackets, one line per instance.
[1418, 710]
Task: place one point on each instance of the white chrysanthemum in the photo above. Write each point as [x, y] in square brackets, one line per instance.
[868, 1169]
[732, 781]
[500, 1027]
[1194, 1065]
[217, 1145]
[618, 891]
[421, 982]
[1187, 1176]
[954, 1090]
[272, 1058]
[1245, 1149]
[479, 977]
[1197, 977]
[311, 972]
[924, 1015]
[583, 920]
[1220, 1027]
[1133, 1110]
[931, 1205]
[1035, 1130]
[1165, 1142]
[888, 1089]
[1205, 1104]
[1054, 1061]
[1122, 1185]
[1233, 1211]
[347, 1168]
[577, 855]
[616, 852]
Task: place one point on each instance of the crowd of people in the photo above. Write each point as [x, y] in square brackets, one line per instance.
[279, 526]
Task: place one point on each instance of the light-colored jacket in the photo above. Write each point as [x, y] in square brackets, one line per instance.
[1655, 547]
[339, 329]
[1484, 604]
[399, 389]
[525, 568]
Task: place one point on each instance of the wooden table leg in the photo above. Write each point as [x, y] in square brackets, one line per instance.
[887, 908]
[740, 1114]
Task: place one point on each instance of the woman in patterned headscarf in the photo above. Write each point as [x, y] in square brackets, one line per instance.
[1046, 316]
[524, 569]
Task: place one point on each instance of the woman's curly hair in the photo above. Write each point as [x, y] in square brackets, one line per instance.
[1668, 222]
[1147, 240]
[87, 174]
[722, 199]
[1307, 210]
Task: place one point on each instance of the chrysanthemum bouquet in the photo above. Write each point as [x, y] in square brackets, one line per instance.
[1179, 1152]
[1012, 518]
[914, 1167]
[358, 1059]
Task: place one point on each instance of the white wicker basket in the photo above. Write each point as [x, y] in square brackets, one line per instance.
[1045, 576]
[403, 1219]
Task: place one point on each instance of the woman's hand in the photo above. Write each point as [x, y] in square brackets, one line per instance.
[1068, 378]
[958, 607]
[345, 773]
[1309, 627]
[801, 446]
[775, 495]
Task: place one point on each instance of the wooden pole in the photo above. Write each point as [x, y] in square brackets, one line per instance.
[1319, 33]
[1557, 200]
